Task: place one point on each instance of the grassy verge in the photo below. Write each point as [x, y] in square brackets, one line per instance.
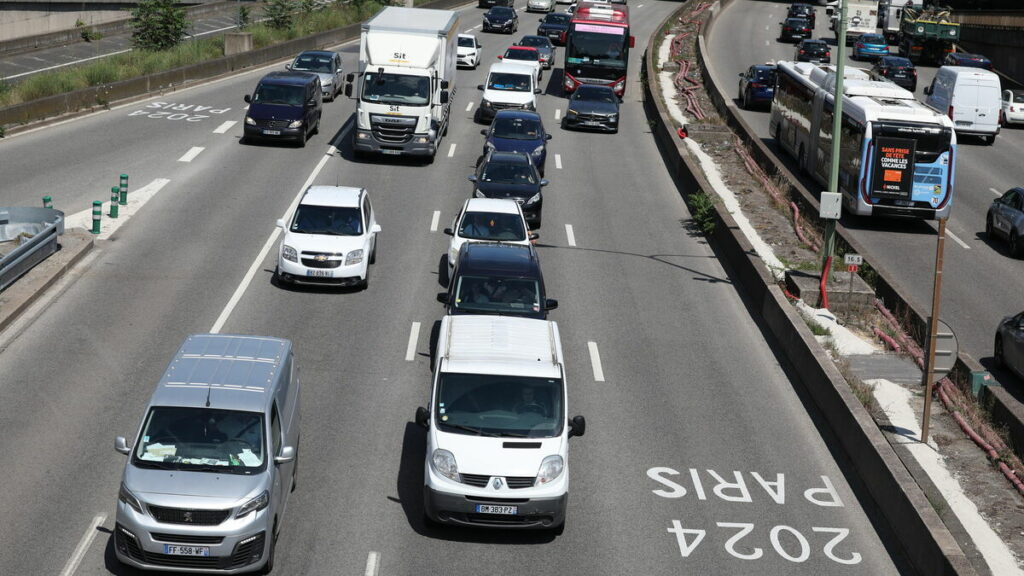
[140, 62]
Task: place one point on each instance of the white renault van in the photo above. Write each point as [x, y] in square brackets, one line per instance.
[498, 428]
[509, 86]
[207, 480]
[970, 96]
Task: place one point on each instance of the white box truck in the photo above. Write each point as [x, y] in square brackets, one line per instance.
[861, 18]
[406, 81]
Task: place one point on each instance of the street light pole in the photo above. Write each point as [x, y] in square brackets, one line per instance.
[829, 244]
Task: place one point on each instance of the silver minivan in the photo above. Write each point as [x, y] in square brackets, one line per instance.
[207, 480]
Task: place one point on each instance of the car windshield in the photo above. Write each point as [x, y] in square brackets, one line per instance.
[313, 63]
[278, 94]
[516, 128]
[797, 23]
[815, 46]
[531, 55]
[872, 39]
[501, 12]
[505, 173]
[492, 405]
[467, 42]
[329, 220]
[897, 63]
[509, 81]
[556, 19]
[202, 440]
[594, 94]
[495, 226]
[396, 89]
[535, 41]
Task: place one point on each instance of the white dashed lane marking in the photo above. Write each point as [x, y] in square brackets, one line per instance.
[191, 154]
[558, 161]
[225, 127]
[434, 220]
[558, 113]
[414, 336]
[83, 545]
[451, 151]
[569, 235]
[996, 192]
[469, 106]
[595, 362]
[372, 564]
[954, 238]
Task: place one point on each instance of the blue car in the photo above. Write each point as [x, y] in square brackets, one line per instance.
[965, 59]
[518, 131]
[870, 46]
[757, 86]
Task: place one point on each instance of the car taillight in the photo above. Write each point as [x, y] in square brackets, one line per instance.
[914, 72]
[827, 53]
[759, 85]
[801, 51]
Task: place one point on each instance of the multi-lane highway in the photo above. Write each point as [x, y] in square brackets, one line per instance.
[981, 282]
[701, 455]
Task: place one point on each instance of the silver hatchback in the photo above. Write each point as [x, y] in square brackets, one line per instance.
[207, 480]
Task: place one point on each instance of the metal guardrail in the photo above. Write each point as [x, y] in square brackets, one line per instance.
[41, 227]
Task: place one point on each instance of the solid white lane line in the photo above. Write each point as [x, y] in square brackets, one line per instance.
[558, 161]
[595, 362]
[434, 220]
[331, 150]
[136, 200]
[996, 192]
[469, 106]
[639, 5]
[451, 151]
[191, 154]
[372, 564]
[558, 113]
[13, 76]
[954, 238]
[414, 336]
[569, 235]
[225, 127]
[251, 273]
[83, 545]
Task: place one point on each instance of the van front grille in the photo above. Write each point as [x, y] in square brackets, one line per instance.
[186, 538]
[189, 516]
[514, 482]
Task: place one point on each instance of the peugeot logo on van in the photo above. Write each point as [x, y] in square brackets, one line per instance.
[188, 516]
[497, 483]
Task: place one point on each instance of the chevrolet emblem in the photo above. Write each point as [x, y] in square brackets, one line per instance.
[320, 258]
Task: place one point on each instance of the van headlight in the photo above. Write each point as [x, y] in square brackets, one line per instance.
[531, 106]
[354, 257]
[259, 503]
[125, 495]
[485, 103]
[444, 464]
[289, 253]
[296, 124]
[250, 121]
[550, 469]
[534, 199]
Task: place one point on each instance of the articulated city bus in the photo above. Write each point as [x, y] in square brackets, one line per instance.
[896, 155]
[597, 46]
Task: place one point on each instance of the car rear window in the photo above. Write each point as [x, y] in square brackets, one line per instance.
[872, 39]
[1018, 97]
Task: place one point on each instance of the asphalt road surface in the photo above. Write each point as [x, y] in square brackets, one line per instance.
[700, 457]
[981, 282]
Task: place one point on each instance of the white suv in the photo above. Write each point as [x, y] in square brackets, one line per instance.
[468, 51]
[488, 220]
[331, 239]
[498, 428]
[508, 86]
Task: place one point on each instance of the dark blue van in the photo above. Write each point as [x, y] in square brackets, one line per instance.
[284, 106]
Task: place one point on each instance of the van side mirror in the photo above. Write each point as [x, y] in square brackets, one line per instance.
[288, 66]
[375, 229]
[442, 297]
[534, 236]
[472, 177]
[740, 74]
[550, 304]
[121, 445]
[423, 417]
[444, 84]
[577, 426]
[348, 90]
[287, 455]
[536, 90]
[248, 99]
[547, 136]
[350, 77]
[927, 90]
[543, 182]
[483, 131]
[479, 86]
[500, 56]
[444, 97]
[280, 223]
[449, 232]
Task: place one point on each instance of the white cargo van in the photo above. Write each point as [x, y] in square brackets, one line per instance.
[497, 427]
[970, 96]
[509, 86]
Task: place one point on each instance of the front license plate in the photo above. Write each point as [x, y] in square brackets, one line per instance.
[175, 550]
[320, 273]
[489, 509]
[272, 132]
[392, 152]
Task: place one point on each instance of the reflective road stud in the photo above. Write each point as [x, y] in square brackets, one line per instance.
[47, 202]
[97, 213]
[114, 192]
[124, 190]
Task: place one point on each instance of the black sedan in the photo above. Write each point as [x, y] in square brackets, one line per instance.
[593, 107]
[801, 10]
[554, 26]
[501, 19]
[812, 50]
[794, 29]
[896, 69]
[1009, 347]
[1006, 218]
[511, 175]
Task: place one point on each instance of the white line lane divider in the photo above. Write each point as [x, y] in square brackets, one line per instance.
[136, 200]
[251, 273]
[434, 220]
[469, 106]
[83, 545]
[451, 151]
[372, 564]
[954, 238]
[191, 154]
[558, 113]
[996, 192]
[595, 362]
[570, 237]
[558, 161]
[223, 128]
[414, 336]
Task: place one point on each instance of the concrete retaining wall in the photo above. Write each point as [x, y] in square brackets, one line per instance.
[927, 543]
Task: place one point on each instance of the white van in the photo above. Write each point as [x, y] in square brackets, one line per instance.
[498, 428]
[509, 86]
[970, 96]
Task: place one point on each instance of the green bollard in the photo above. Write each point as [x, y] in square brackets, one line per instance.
[97, 213]
[47, 202]
[124, 190]
[114, 192]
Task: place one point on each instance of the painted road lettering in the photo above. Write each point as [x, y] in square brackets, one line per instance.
[736, 489]
[787, 542]
[176, 111]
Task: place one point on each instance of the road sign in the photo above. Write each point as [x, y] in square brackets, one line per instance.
[830, 205]
[853, 259]
[852, 268]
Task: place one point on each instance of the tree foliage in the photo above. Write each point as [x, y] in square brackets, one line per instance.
[158, 25]
[280, 13]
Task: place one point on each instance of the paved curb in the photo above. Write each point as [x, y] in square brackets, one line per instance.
[928, 545]
[74, 245]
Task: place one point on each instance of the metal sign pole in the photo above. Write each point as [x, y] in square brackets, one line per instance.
[829, 240]
[933, 324]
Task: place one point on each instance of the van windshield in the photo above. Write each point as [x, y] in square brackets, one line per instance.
[509, 81]
[276, 94]
[399, 89]
[490, 405]
[201, 440]
[490, 295]
[329, 220]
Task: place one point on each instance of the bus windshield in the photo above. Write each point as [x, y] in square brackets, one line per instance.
[598, 54]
